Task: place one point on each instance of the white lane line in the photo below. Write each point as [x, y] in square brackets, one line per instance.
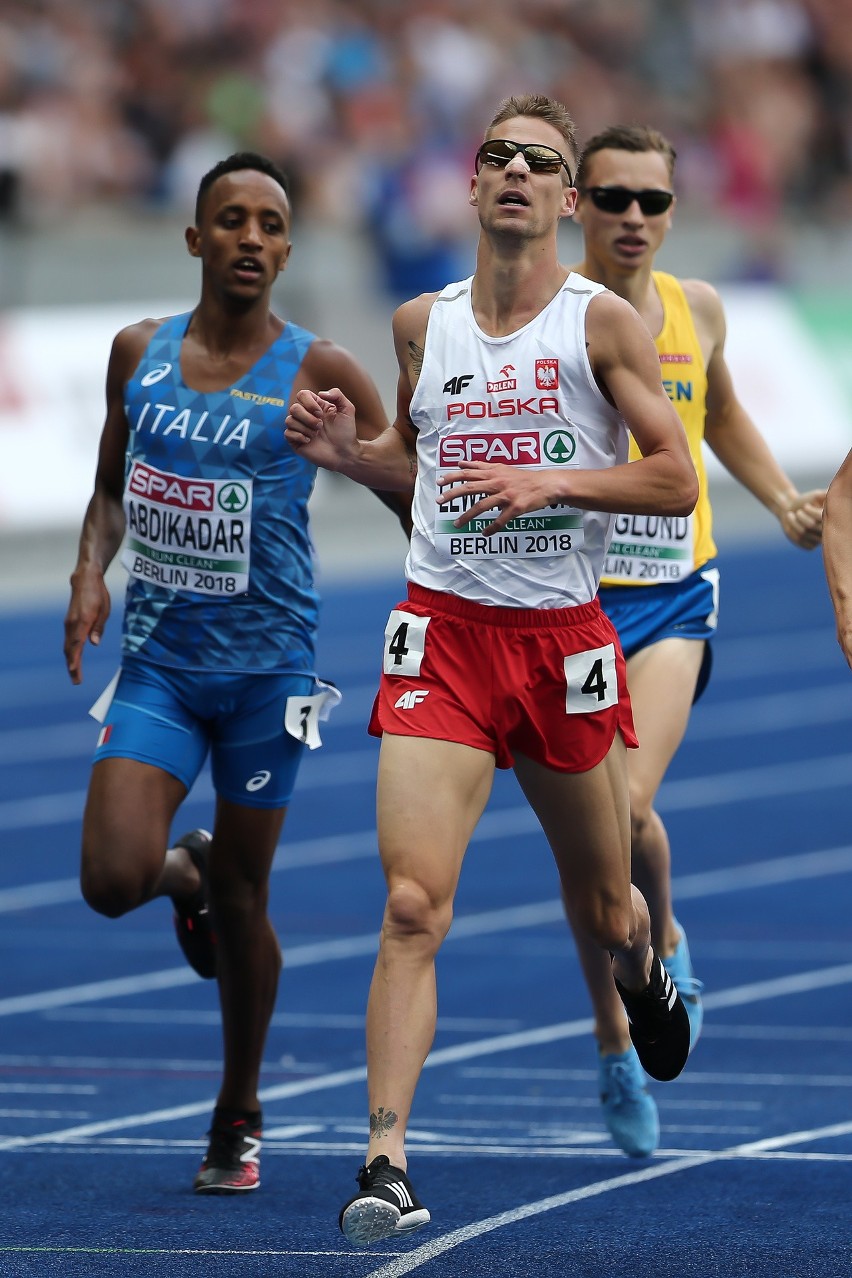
[779, 1033]
[783, 869]
[780, 869]
[280, 1020]
[41, 1114]
[48, 1089]
[96, 990]
[586, 1145]
[163, 1251]
[512, 1100]
[520, 917]
[48, 743]
[772, 653]
[407, 1263]
[702, 1079]
[356, 767]
[804, 776]
[776, 712]
[70, 1134]
[800, 983]
[444, 1056]
[501, 823]
[808, 865]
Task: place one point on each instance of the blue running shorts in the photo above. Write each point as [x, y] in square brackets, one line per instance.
[643, 615]
[255, 726]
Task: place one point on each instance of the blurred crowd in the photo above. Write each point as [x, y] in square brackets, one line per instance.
[375, 107]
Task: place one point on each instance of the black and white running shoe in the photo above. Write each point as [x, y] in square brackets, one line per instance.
[659, 1024]
[385, 1207]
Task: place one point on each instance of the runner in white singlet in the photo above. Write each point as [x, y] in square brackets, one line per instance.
[515, 393]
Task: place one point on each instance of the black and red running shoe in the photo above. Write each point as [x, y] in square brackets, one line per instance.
[232, 1162]
[192, 915]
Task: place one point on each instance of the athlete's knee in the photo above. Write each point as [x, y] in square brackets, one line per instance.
[112, 890]
[413, 913]
[607, 921]
[237, 896]
[641, 814]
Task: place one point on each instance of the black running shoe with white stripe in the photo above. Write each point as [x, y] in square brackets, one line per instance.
[385, 1207]
[659, 1024]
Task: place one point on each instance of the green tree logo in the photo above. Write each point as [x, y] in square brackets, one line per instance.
[233, 498]
[559, 447]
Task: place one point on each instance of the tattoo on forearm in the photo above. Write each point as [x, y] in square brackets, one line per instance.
[412, 460]
[382, 1121]
[415, 355]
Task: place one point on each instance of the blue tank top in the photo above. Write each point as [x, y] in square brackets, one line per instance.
[217, 544]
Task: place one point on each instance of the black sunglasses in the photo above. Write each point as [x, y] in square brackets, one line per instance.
[540, 159]
[617, 199]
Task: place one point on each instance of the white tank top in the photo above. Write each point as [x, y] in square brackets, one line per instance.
[529, 399]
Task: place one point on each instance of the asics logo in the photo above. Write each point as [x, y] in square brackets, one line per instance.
[410, 699]
[258, 781]
[156, 374]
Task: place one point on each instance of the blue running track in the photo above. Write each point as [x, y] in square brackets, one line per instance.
[109, 1045]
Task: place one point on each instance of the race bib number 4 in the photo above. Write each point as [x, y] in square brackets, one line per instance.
[591, 680]
[190, 534]
[405, 643]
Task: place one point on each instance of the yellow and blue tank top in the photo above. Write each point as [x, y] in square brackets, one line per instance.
[654, 550]
[217, 544]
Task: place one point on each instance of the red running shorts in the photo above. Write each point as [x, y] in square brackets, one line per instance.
[548, 683]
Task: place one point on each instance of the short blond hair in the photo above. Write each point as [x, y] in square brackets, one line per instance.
[539, 107]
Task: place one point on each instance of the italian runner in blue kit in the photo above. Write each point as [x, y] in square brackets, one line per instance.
[198, 486]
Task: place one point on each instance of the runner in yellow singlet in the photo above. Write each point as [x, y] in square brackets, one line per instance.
[660, 584]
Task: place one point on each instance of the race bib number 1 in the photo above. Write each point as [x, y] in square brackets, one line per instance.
[302, 715]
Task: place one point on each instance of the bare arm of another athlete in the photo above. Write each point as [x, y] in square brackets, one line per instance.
[103, 524]
[322, 424]
[837, 552]
[625, 364]
[735, 439]
[327, 364]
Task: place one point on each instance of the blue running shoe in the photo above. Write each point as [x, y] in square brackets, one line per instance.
[679, 968]
[630, 1111]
